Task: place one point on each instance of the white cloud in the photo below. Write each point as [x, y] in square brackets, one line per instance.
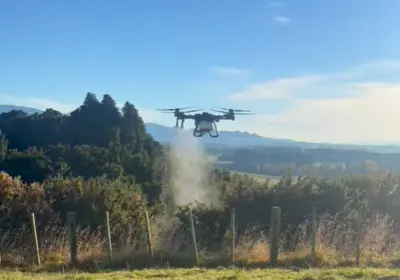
[276, 89]
[282, 19]
[373, 116]
[230, 71]
[362, 105]
[319, 84]
[372, 69]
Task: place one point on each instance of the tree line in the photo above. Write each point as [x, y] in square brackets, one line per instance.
[96, 139]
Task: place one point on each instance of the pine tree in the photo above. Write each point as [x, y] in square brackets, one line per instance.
[3, 146]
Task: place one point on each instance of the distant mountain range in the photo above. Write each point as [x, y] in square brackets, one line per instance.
[235, 139]
[226, 138]
[241, 139]
[29, 110]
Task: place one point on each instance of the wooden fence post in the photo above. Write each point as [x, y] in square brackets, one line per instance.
[358, 236]
[194, 236]
[274, 239]
[314, 236]
[233, 222]
[108, 232]
[35, 238]
[73, 244]
[149, 235]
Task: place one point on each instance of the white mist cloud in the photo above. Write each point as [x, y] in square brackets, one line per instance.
[190, 171]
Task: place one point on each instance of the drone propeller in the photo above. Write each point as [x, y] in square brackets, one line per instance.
[219, 111]
[192, 111]
[174, 109]
[244, 114]
[236, 111]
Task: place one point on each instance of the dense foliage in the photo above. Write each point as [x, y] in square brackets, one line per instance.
[96, 139]
[100, 158]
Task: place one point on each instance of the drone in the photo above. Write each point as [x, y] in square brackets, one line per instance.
[204, 122]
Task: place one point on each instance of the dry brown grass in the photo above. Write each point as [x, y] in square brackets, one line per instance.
[380, 245]
[17, 246]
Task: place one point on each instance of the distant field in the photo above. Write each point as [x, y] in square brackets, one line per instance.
[204, 274]
[260, 177]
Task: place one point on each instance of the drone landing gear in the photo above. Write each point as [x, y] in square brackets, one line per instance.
[213, 133]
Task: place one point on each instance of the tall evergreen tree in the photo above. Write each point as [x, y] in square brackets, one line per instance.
[3, 146]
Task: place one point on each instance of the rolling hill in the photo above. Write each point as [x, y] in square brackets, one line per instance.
[6, 108]
[226, 138]
[241, 139]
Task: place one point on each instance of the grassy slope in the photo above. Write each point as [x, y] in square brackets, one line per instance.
[204, 274]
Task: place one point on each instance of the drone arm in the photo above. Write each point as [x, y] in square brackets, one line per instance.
[221, 117]
[189, 117]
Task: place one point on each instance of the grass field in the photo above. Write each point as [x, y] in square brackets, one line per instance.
[334, 274]
[260, 177]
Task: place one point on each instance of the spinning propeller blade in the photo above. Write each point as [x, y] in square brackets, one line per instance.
[236, 110]
[192, 111]
[226, 110]
[174, 109]
[219, 111]
[177, 110]
[244, 114]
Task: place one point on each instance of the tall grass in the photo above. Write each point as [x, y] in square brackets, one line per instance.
[173, 246]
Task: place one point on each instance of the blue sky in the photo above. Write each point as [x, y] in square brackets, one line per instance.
[311, 70]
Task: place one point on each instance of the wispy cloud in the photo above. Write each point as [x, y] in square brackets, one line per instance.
[358, 104]
[320, 85]
[277, 89]
[282, 19]
[230, 71]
